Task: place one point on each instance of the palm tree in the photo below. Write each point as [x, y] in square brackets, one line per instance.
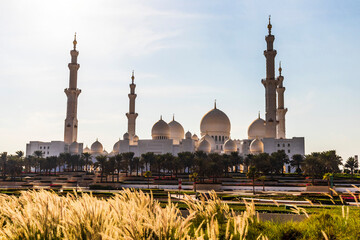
[188, 160]
[136, 162]
[296, 161]
[119, 163]
[3, 164]
[252, 174]
[127, 157]
[86, 156]
[149, 159]
[148, 176]
[352, 164]
[101, 163]
[236, 160]
[111, 166]
[38, 154]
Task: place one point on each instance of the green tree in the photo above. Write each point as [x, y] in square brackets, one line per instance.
[278, 160]
[101, 163]
[188, 160]
[148, 159]
[111, 167]
[3, 159]
[263, 163]
[351, 164]
[119, 164]
[86, 156]
[236, 160]
[296, 161]
[148, 175]
[252, 174]
[127, 162]
[136, 163]
[215, 166]
[201, 164]
[39, 157]
[312, 166]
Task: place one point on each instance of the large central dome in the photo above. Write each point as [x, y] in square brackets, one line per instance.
[215, 122]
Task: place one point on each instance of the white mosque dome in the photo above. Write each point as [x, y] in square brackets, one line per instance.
[188, 135]
[160, 130]
[86, 150]
[256, 146]
[74, 148]
[215, 122]
[116, 147]
[126, 136]
[195, 137]
[204, 146]
[97, 147]
[176, 130]
[230, 146]
[136, 138]
[257, 129]
[210, 140]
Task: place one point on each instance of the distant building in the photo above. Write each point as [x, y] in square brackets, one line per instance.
[264, 135]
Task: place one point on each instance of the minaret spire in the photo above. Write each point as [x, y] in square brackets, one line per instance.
[269, 25]
[270, 84]
[75, 42]
[72, 93]
[131, 115]
[281, 111]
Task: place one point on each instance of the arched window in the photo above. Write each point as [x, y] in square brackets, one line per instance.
[215, 138]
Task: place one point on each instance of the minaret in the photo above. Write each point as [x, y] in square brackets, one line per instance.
[72, 93]
[281, 111]
[131, 115]
[270, 84]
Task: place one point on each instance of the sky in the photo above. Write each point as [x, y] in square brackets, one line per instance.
[185, 54]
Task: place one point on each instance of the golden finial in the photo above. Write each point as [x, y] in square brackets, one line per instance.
[75, 42]
[259, 115]
[215, 104]
[269, 25]
[132, 77]
[160, 117]
[280, 69]
[173, 116]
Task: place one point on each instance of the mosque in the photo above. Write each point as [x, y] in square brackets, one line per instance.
[264, 135]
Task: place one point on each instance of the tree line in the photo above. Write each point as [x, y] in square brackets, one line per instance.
[212, 165]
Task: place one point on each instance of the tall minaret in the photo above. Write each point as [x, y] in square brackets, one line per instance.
[72, 93]
[281, 111]
[131, 115]
[270, 84]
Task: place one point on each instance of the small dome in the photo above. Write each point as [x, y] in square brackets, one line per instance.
[188, 135]
[136, 138]
[126, 136]
[230, 146]
[204, 146]
[86, 150]
[210, 140]
[215, 122]
[176, 130]
[257, 129]
[74, 148]
[195, 137]
[160, 130]
[116, 148]
[97, 147]
[105, 152]
[256, 146]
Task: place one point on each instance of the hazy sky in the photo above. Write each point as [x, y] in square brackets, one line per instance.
[185, 54]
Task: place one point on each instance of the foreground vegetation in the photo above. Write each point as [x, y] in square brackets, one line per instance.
[136, 215]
